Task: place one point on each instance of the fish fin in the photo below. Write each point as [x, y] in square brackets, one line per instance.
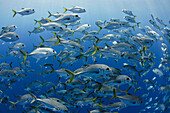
[72, 75]
[57, 41]
[39, 25]
[104, 22]
[134, 27]
[97, 39]
[54, 57]
[138, 23]
[25, 56]
[29, 33]
[37, 60]
[65, 9]
[41, 41]
[136, 89]
[49, 14]
[96, 49]
[59, 62]
[48, 20]
[13, 105]
[139, 73]
[126, 91]
[107, 45]
[115, 95]
[35, 21]
[100, 28]
[14, 12]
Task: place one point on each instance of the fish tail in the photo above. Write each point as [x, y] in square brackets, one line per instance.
[25, 56]
[14, 12]
[127, 90]
[42, 41]
[136, 89]
[60, 62]
[140, 72]
[7, 53]
[138, 23]
[54, 57]
[97, 39]
[29, 33]
[57, 41]
[9, 49]
[95, 50]
[72, 32]
[35, 21]
[134, 27]
[10, 65]
[34, 97]
[38, 74]
[52, 69]
[115, 95]
[54, 34]
[39, 25]
[100, 28]
[72, 75]
[82, 55]
[12, 105]
[49, 14]
[104, 22]
[65, 25]
[65, 9]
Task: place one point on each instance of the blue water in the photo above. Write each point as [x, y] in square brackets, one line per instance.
[95, 10]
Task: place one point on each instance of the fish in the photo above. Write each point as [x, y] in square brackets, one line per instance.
[37, 30]
[119, 80]
[100, 22]
[22, 100]
[51, 104]
[24, 11]
[66, 18]
[10, 28]
[17, 46]
[158, 72]
[131, 19]
[75, 9]
[128, 12]
[40, 53]
[130, 100]
[51, 26]
[83, 28]
[42, 20]
[57, 15]
[160, 21]
[132, 69]
[9, 37]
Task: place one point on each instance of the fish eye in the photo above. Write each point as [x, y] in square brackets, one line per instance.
[128, 78]
[133, 102]
[22, 44]
[17, 36]
[33, 10]
[53, 27]
[147, 42]
[53, 51]
[88, 24]
[61, 28]
[76, 15]
[107, 69]
[141, 101]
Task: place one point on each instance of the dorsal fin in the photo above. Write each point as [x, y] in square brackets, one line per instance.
[22, 8]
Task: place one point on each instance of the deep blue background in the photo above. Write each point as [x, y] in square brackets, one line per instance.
[95, 10]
